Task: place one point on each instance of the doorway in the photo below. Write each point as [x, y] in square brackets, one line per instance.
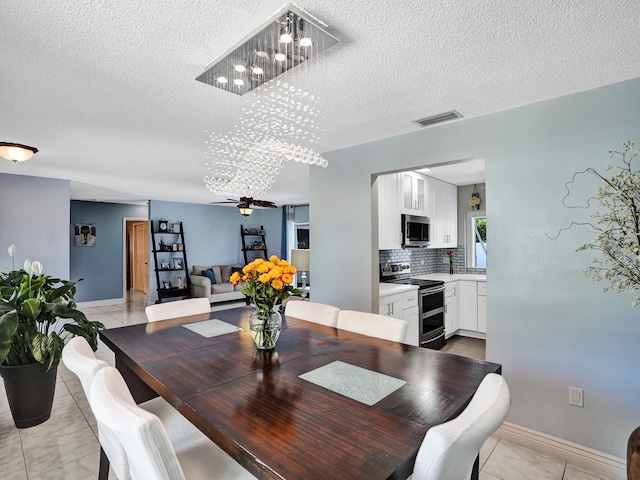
[136, 267]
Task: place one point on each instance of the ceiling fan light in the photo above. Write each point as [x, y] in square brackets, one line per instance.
[16, 152]
[245, 211]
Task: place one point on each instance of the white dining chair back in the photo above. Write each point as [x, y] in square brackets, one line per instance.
[449, 450]
[373, 325]
[78, 357]
[123, 425]
[178, 308]
[313, 312]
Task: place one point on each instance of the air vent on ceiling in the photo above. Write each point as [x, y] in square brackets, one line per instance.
[439, 118]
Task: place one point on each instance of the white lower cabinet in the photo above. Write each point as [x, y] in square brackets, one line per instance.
[411, 315]
[391, 305]
[468, 305]
[482, 307]
[451, 319]
[405, 307]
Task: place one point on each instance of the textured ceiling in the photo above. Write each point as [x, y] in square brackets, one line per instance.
[107, 91]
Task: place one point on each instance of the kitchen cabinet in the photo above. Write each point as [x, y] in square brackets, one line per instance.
[389, 222]
[451, 318]
[482, 307]
[405, 307]
[444, 224]
[411, 315]
[391, 305]
[468, 305]
[414, 194]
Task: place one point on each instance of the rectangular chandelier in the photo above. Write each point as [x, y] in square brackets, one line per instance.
[285, 41]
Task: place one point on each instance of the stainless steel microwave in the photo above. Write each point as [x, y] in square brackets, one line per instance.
[416, 231]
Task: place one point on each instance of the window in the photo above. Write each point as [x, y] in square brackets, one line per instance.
[477, 239]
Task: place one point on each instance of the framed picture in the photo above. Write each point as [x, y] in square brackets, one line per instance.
[176, 228]
[174, 247]
[180, 247]
[180, 284]
[165, 266]
[85, 235]
[166, 284]
[178, 263]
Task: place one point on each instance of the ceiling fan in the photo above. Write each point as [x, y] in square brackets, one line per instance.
[245, 204]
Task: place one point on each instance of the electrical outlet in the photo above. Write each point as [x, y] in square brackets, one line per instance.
[445, 260]
[576, 396]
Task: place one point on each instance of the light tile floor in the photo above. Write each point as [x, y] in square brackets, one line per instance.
[66, 446]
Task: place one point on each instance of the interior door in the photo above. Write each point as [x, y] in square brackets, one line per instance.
[140, 257]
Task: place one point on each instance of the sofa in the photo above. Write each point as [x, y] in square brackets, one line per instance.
[212, 282]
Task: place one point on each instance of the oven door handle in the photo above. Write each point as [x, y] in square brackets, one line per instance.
[431, 291]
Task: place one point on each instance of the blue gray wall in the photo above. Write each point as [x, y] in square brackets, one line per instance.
[101, 266]
[34, 216]
[548, 325]
[212, 233]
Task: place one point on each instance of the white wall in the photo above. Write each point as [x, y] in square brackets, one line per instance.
[548, 325]
[34, 216]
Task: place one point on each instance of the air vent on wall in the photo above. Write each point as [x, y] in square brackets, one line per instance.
[439, 118]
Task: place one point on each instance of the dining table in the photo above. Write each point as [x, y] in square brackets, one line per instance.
[325, 403]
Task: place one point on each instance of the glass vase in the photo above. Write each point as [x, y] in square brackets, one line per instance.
[265, 328]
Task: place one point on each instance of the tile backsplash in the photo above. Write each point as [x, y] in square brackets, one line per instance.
[424, 260]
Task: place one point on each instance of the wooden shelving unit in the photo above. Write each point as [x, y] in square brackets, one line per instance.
[253, 241]
[170, 260]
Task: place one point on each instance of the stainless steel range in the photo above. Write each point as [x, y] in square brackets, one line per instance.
[430, 302]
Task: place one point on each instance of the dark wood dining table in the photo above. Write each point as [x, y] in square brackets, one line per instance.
[254, 405]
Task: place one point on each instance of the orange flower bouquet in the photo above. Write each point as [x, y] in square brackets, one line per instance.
[265, 282]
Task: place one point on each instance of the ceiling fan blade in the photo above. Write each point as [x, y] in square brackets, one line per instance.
[222, 203]
[264, 203]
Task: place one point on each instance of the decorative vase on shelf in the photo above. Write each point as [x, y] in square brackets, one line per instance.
[450, 268]
[265, 325]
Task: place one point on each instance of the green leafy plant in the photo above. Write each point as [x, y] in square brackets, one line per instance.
[37, 314]
[616, 223]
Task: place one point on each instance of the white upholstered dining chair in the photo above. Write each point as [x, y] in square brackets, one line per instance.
[373, 325]
[313, 312]
[78, 357]
[125, 427]
[178, 308]
[449, 450]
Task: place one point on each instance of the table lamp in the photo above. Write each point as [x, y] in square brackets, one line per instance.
[300, 260]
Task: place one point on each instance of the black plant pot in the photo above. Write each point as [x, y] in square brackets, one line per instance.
[30, 390]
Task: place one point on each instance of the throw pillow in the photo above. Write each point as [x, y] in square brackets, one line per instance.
[209, 274]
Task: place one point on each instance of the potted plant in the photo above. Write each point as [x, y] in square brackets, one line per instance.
[616, 226]
[37, 314]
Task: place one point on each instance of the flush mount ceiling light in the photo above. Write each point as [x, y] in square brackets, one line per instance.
[286, 40]
[16, 152]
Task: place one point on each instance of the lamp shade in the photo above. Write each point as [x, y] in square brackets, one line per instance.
[245, 211]
[300, 260]
[16, 152]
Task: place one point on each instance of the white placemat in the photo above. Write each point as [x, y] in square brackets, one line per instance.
[354, 382]
[211, 328]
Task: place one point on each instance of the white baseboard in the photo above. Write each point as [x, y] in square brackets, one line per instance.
[573, 453]
[101, 303]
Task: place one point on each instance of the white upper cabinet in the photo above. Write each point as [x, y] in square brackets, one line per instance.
[444, 223]
[389, 222]
[414, 194]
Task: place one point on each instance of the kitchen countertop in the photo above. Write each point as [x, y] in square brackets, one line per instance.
[446, 277]
[393, 288]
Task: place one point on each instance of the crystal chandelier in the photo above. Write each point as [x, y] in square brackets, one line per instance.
[281, 122]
